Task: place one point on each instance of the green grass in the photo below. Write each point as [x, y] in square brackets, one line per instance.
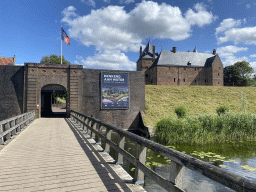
[206, 128]
[161, 100]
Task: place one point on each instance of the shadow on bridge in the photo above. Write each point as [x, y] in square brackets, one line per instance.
[108, 176]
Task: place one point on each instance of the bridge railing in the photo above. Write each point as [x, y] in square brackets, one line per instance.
[178, 160]
[11, 126]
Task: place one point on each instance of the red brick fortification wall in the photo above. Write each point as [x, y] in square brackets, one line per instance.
[169, 75]
[122, 118]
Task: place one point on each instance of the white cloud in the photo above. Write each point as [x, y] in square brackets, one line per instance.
[114, 60]
[248, 6]
[112, 28]
[245, 35]
[129, 1]
[227, 54]
[254, 55]
[90, 2]
[201, 17]
[227, 24]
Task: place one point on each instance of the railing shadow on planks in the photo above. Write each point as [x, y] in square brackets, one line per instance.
[11, 126]
[178, 160]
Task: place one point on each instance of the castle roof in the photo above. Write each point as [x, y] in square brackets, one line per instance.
[183, 58]
[6, 61]
[148, 51]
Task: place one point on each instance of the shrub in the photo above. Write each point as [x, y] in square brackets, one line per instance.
[181, 111]
[222, 109]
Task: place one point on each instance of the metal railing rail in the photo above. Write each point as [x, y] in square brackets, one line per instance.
[178, 160]
[11, 126]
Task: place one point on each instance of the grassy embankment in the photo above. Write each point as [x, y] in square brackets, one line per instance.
[201, 103]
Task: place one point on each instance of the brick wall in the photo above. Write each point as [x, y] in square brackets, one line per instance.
[177, 75]
[122, 118]
[11, 91]
[217, 72]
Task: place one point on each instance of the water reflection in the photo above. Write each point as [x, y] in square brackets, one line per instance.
[236, 157]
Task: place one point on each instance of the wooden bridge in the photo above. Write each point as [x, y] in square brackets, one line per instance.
[63, 154]
[51, 154]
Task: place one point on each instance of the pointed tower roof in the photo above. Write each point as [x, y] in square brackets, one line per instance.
[148, 50]
[195, 50]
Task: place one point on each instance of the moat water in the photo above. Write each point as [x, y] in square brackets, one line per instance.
[236, 157]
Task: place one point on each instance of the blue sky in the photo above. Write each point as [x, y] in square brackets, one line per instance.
[107, 34]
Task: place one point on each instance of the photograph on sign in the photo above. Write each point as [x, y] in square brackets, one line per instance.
[114, 91]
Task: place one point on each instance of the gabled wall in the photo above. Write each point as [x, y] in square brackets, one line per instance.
[217, 72]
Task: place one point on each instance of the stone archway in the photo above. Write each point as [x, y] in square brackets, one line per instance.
[47, 92]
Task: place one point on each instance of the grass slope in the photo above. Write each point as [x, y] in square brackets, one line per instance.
[161, 100]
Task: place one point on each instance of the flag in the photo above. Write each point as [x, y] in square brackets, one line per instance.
[64, 36]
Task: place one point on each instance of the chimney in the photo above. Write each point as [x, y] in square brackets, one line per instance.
[214, 52]
[153, 51]
[14, 60]
[174, 49]
[140, 51]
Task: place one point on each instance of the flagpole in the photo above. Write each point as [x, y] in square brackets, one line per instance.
[61, 47]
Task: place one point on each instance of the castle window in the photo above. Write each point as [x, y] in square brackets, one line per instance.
[184, 79]
[218, 74]
[195, 68]
[174, 79]
[205, 80]
[151, 81]
[195, 81]
[146, 75]
[219, 67]
[218, 82]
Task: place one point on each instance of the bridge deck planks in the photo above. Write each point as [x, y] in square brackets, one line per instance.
[52, 155]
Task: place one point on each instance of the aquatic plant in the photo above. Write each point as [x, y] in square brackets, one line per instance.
[243, 101]
[206, 128]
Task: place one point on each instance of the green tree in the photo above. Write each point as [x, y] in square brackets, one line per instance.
[54, 59]
[231, 74]
[240, 72]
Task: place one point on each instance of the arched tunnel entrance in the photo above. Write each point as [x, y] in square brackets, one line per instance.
[53, 101]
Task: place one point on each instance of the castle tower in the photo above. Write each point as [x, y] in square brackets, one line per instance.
[147, 57]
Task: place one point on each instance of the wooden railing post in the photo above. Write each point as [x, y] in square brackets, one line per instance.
[7, 126]
[12, 125]
[177, 174]
[18, 122]
[89, 132]
[86, 123]
[2, 138]
[139, 175]
[83, 122]
[120, 158]
[23, 118]
[94, 127]
[97, 127]
[108, 136]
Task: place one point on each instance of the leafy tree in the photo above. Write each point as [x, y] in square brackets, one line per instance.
[238, 73]
[54, 59]
[231, 74]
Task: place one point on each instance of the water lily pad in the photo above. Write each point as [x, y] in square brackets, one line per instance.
[248, 167]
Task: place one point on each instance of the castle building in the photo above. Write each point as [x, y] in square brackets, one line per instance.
[180, 68]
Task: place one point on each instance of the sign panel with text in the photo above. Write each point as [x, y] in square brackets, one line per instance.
[114, 91]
